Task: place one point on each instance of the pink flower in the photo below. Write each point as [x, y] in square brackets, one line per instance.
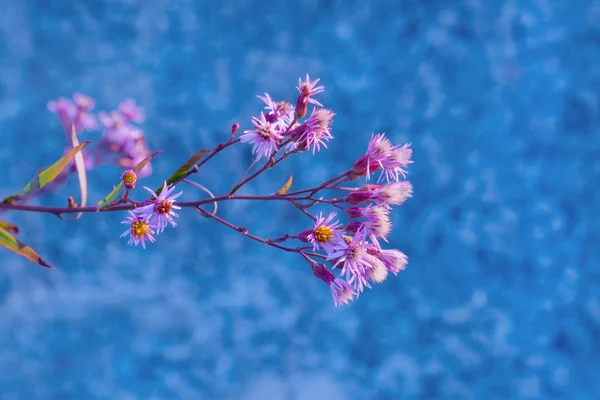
[315, 131]
[342, 291]
[84, 102]
[358, 265]
[376, 222]
[390, 194]
[160, 209]
[382, 155]
[75, 113]
[307, 89]
[139, 230]
[325, 233]
[131, 111]
[394, 260]
[264, 137]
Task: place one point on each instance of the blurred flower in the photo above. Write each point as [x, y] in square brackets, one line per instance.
[139, 230]
[264, 137]
[75, 113]
[342, 291]
[160, 210]
[130, 111]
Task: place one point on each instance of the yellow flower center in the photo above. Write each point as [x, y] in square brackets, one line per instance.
[129, 178]
[163, 207]
[323, 234]
[139, 228]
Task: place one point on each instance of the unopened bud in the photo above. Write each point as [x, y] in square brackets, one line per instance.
[353, 227]
[301, 107]
[71, 202]
[234, 128]
[359, 197]
[129, 178]
[323, 273]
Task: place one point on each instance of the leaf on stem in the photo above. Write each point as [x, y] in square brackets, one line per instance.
[47, 175]
[112, 196]
[9, 227]
[284, 189]
[81, 175]
[12, 244]
[181, 171]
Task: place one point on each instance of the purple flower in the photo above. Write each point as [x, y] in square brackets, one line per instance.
[84, 102]
[306, 89]
[315, 131]
[394, 260]
[342, 291]
[160, 210]
[139, 229]
[325, 233]
[390, 194]
[131, 111]
[358, 265]
[382, 155]
[376, 222]
[264, 137]
[75, 113]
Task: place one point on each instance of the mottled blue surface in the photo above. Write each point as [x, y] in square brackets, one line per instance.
[501, 298]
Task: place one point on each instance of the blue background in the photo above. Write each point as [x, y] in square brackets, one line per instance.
[501, 297]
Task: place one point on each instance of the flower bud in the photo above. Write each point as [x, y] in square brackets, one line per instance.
[129, 178]
[323, 273]
[353, 227]
[359, 197]
[301, 107]
[234, 128]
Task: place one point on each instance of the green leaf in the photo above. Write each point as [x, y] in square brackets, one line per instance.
[12, 244]
[112, 196]
[138, 168]
[181, 171]
[81, 175]
[9, 227]
[47, 175]
[284, 189]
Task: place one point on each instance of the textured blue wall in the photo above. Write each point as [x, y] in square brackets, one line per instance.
[501, 298]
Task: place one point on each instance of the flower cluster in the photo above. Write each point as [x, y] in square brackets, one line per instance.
[353, 248]
[121, 141]
[280, 126]
[156, 213]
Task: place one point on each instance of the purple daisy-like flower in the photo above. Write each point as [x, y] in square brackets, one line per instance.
[315, 131]
[309, 88]
[342, 291]
[325, 233]
[358, 266]
[393, 260]
[382, 155]
[264, 137]
[160, 210]
[139, 229]
[306, 89]
[390, 194]
[376, 223]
